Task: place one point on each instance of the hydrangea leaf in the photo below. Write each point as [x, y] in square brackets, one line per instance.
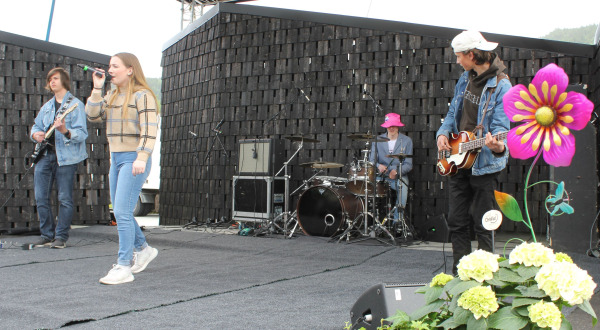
[433, 294]
[506, 319]
[429, 308]
[509, 206]
[527, 272]
[587, 307]
[474, 324]
[463, 286]
[508, 275]
[531, 291]
[518, 302]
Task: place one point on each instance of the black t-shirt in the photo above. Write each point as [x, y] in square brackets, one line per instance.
[52, 137]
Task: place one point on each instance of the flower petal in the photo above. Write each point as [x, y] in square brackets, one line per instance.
[581, 110]
[515, 104]
[560, 155]
[553, 75]
[518, 149]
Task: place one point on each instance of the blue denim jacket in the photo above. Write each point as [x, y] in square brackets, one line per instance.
[495, 121]
[68, 151]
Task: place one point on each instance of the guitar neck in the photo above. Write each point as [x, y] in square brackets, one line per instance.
[479, 143]
[59, 117]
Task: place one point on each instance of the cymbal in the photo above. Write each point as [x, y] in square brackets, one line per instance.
[399, 156]
[300, 138]
[367, 137]
[321, 165]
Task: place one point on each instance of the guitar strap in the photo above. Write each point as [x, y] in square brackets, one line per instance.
[479, 127]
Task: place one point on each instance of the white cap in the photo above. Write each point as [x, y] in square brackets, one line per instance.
[468, 40]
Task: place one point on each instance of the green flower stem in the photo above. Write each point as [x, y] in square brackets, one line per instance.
[506, 244]
[528, 223]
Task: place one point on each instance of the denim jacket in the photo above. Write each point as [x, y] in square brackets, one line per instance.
[495, 121]
[68, 151]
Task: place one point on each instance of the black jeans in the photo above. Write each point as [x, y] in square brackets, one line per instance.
[470, 197]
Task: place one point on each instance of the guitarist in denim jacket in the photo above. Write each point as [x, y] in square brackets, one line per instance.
[65, 149]
[476, 107]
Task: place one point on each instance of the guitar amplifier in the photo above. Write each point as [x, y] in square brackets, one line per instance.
[257, 198]
[260, 156]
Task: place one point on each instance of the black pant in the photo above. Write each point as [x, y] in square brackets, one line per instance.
[470, 193]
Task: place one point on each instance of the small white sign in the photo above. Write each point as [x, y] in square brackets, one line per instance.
[492, 219]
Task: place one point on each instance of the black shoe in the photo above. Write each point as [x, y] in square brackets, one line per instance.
[42, 242]
[58, 244]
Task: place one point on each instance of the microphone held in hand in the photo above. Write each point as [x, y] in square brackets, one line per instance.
[96, 72]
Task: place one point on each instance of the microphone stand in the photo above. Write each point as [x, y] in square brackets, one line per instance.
[215, 138]
[377, 224]
[194, 220]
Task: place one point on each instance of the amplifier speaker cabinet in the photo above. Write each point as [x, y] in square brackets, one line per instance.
[260, 156]
[257, 198]
[384, 300]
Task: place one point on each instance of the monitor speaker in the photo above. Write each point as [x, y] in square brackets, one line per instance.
[384, 300]
[434, 229]
[260, 156]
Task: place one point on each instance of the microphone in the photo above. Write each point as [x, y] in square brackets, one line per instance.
[306, 96]
[254, 153]
[216, 129]
[96, 72]
[193, 134]
[365, 91]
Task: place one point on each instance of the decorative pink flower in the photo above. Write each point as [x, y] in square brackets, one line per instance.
[548, 114]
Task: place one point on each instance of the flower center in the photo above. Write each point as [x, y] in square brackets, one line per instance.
[545, 116]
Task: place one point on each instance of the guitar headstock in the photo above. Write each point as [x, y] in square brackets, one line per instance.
[66, 112]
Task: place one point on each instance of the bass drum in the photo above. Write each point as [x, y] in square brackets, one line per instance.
[322, 210]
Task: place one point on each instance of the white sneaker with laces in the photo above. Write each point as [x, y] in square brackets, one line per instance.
[117, 275]
[142, 259]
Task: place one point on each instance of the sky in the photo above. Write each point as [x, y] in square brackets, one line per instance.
[142, 27]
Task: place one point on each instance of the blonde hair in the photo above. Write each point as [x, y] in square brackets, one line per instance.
[137, 81]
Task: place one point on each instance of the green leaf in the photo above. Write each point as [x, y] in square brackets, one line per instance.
[424, 310]
[496, 282]
[508, 275]
[565, 324]
[474, 324]
[587, 307]
[461, 315]
[398, 318]
[423, 289]
[528, 272]
[450, 324]
[518, 302]
[522, 310]
[455, 281]
[433, 294]
[509, 206]
[531, 291]
[505, 318]
[463, 286]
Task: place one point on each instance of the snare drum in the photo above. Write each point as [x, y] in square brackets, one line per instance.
[328, 181]
[322, 210]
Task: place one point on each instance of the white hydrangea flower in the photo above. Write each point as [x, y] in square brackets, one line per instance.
[567, 281]
[479, 265]
[531, 254]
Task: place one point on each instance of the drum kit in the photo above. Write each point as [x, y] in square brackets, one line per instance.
[343, 207]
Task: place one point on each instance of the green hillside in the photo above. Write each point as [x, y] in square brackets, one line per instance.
[582, 35]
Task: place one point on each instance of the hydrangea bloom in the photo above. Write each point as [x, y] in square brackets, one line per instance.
[567, 281]
[480, 300]
[531, 254]
[560, 256]
[479, 265]
[545, 315]
[440, 279]
[548, 114]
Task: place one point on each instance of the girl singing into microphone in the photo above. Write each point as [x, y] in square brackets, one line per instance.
[130, 112]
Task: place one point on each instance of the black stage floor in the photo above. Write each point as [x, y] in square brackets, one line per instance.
[211, 279]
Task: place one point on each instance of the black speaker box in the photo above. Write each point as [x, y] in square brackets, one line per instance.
[434, 229]
[384, 300]
[256, 198]
[260, 156]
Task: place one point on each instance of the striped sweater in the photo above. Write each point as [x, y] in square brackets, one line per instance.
[137, 132]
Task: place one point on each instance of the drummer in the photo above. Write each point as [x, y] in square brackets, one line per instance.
[387, 167]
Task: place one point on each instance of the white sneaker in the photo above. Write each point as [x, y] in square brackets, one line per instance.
[142, 259]
[117, 275]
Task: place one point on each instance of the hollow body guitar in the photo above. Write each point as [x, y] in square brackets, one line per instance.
[40, 147]
[465, 149]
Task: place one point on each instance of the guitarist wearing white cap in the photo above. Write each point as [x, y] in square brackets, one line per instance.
[476, 111]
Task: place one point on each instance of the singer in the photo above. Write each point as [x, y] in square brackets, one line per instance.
[387, 168]
[130, 112]
[65, 149]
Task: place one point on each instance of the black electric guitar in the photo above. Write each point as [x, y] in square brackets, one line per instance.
[40, 147]
[465, 148]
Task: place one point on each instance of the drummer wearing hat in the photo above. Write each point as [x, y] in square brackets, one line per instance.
[387, 167]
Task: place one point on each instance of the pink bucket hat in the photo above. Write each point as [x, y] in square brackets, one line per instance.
[392, 119]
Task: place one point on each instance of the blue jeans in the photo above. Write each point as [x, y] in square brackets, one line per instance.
[394, 187]
[46, 172]
[124, 192]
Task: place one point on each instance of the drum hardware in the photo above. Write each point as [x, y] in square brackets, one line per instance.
[321, 164]
[368, 138]
[295, 138]
[401, 222]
